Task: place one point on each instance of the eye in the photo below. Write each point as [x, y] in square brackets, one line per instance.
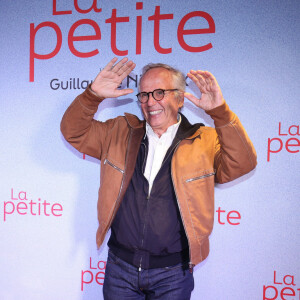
[143, 95]
[159, 92]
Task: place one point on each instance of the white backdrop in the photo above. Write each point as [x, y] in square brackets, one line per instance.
[48, 191]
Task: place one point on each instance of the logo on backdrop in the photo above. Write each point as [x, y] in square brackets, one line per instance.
[129, 22]
[77, 83]
[282, 286]
[20, 203]
[287, 141]
[232, 217]
[94, 275]
[71, 84]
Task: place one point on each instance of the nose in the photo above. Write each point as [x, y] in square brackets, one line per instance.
[151, 100]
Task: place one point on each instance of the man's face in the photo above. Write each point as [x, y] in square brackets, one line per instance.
[160, 114]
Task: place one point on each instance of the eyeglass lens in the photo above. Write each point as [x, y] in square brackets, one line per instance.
[156, 94]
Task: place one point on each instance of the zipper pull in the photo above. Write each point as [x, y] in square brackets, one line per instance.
[191, 267]
[140, 267]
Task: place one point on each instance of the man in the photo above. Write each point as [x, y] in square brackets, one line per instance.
[157, 176]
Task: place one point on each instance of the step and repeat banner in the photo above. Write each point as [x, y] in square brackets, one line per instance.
[51, 50]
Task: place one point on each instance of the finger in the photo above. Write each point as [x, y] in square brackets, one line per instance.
[207, 74]
[124, 67]
[192, 98]
[212, 85]
[197, 75]
[119, 65]
[210, 79]
[124, 92]
[128, 70]
[209, 82]
[192, 76]
[110, 64]
[201, 79]
[207, 78]
[198, 80]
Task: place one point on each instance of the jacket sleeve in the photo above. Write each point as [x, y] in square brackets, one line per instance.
[234, 154]
[79, 127]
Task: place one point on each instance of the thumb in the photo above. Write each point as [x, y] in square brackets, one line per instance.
[124, 92]
[191, 97]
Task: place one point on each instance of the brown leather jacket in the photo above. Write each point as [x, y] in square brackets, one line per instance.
[208, 156]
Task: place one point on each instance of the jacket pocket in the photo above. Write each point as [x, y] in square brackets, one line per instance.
[200, 177]
[111, 178]
[106, 161]
[198, 189]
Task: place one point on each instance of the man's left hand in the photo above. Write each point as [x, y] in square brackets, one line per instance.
[211, 94]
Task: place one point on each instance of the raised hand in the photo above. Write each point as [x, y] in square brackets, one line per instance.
[211, 95]
[109, 79]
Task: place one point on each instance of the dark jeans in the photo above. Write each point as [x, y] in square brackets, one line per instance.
[124, 281]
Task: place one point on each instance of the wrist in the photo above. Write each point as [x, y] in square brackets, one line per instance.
[221, 114]
[92, 90]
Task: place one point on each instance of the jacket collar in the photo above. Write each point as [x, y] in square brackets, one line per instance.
[134, 122]
[188, 130]
[185, 130]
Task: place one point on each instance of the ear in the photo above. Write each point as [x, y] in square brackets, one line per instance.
[181, 101]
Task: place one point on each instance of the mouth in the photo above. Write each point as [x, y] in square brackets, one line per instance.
[155, 112]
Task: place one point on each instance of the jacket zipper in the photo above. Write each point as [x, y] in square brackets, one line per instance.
[144, 227]
[143, 233]
[106, 161]
[115, 208]
[200, 177]
[191, 265]
[148, 197]
[143, 166]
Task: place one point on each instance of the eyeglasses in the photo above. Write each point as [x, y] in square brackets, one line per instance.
[157, 94]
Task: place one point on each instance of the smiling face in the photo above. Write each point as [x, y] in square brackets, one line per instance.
[160, 114]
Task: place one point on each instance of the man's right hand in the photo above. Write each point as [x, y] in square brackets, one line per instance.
[109, 79]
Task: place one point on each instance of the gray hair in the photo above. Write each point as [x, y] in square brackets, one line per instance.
[178, 77]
